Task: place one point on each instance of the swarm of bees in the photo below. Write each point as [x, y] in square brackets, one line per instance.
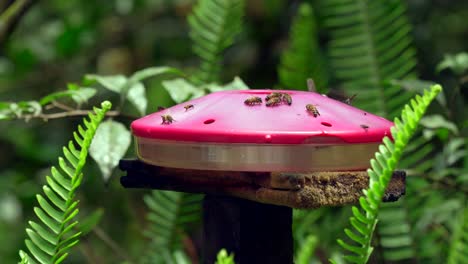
[254, 100]
[312, 109]
[167, 119]
[274, 99]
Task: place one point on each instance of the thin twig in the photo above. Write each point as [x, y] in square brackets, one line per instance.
[88, 253]
[62, 106]
[72, 113]
[112, 244]
[65, 114]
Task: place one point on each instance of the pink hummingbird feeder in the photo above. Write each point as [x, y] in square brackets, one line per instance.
[261, 130]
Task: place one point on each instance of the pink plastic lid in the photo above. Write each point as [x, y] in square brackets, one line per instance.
[222, 117]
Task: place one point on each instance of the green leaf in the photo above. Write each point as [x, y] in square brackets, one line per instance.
[236, 84]
[171, 215]
[137, 96]
[459, 244]
[54, 96]
[458, 63]
[370, 44]
[151, 72]
[303, 59]
[109, 145]
[438, 121]
[307, 249]
[214, 24]
[79, 94]
[51, 238]
[114, 83]
[381, 174]
[5, 112]
[181, 90]
[224, 258]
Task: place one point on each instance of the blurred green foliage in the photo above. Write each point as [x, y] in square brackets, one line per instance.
[55, 43]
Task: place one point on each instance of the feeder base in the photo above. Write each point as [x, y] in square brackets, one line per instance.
[296, 190]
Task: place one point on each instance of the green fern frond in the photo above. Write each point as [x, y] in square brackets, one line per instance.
[370, 43]
[303, 58]
[51, 238]
[224, 258]
[214, 24]
[394, 232]
[364, 220]
[171, 215]
[459, 247]
[306, 252]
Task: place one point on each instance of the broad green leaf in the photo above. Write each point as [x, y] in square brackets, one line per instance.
[54, 96]
[24, 107]
[236, 84]
[151, 72]
[438, 121]
[417, 86]
[458, 63]
[181, 90]
[81, 94]
[109, 145]
[113, 83]
[137, 96]
[5, 112]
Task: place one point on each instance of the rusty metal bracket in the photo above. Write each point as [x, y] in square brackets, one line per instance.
[296, 190]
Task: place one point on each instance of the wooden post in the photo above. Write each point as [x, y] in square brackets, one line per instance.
[254, 232]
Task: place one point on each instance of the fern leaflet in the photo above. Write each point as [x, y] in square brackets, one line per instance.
[370, 43]
[303, 60]
[214, 24]
[306, 252]
[364, 220]
[171, 215]
[51, 238]
[394, 232]
[459, 246]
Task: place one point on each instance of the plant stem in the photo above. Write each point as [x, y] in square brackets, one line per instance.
[71, 113]
[11, 16]
[119, 251]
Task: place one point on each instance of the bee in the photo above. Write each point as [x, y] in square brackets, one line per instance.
[167, 119]
[312, 109]
[274, 101]
[365, 127]
[287, 98]
[341, 96]
[273, 95]
[188, 107]
[253, 100]
[349, 99]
